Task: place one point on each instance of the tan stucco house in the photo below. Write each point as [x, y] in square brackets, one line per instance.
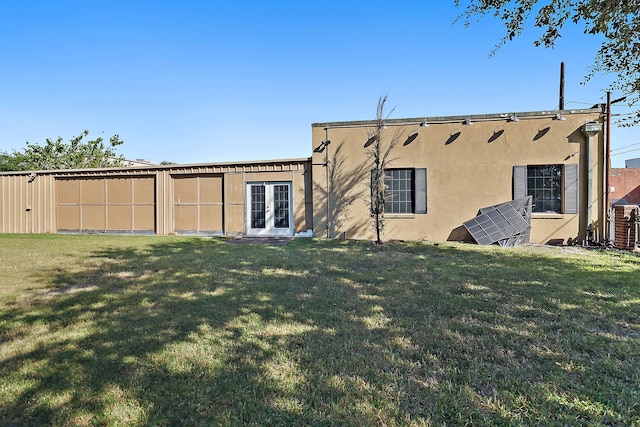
[443, 170]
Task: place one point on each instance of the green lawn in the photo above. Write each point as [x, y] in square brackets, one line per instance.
[123, 330]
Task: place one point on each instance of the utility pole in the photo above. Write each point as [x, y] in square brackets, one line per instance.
[561, 97]
[607, 164]
[607, 170]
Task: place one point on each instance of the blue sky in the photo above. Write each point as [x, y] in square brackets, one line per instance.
[208, 81]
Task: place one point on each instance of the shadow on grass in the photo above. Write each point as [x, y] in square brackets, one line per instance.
[199, 332]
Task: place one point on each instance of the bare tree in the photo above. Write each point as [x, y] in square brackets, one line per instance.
[379, 150]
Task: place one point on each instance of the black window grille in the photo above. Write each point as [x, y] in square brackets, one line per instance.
[281, 205]
[544, 183]
[258, 211]
[400, 191]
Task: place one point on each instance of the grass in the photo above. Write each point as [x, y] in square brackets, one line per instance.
[123, 330]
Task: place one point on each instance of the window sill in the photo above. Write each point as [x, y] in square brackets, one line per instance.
[399, 216]
[543, 215]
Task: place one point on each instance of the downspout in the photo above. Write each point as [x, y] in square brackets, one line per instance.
[326, 175]
[324, 146]
[590, 130]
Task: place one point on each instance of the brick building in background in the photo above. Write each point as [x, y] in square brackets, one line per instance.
[624, 184]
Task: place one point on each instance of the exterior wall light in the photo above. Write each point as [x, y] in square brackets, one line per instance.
[320, 148]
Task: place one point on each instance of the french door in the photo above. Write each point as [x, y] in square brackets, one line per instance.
[269, 209]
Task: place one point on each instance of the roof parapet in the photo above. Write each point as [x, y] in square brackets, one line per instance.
[462, 119]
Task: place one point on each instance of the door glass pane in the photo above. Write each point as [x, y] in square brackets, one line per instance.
[281, 206]
[258, 206]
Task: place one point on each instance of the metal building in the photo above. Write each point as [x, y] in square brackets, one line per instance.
[242, 198]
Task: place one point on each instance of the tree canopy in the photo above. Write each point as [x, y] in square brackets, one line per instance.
[618, 21]
[9, 162]
[56, 154]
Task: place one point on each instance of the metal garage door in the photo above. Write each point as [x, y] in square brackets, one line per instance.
[105, 204]
[197, 204]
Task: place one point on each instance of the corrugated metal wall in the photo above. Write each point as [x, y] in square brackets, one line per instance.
[197, 203]
[106, 204]
[145, 198]
[27, 204]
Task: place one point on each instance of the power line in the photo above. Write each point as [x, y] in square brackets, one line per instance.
[578, 102]
[623, 152]
[626, 146]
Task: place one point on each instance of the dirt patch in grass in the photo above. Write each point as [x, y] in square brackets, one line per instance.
[274, 241]
[73, 289]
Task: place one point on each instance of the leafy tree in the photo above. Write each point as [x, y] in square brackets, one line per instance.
[378, 151]
[617, 21]
[9, 162]
[77, 154]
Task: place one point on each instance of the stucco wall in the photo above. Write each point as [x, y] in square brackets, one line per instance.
[468, 167]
